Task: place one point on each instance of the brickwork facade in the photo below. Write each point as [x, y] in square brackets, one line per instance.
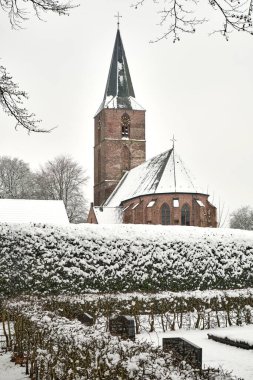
[171, 209]
[119, 146]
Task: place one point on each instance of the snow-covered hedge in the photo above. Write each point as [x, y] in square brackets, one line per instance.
[59, 348]
[47, 259]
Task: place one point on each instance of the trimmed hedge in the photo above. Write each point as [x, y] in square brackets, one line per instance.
[51, 260]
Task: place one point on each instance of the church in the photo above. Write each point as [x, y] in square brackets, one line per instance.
[127, 188]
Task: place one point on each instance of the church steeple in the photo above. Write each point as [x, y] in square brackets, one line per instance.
[119, 91]
[119, 128]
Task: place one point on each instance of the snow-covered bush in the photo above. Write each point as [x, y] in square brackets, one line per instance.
[46, 259]
[58, 348]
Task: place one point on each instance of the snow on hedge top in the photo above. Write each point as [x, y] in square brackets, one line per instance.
[153, 177]
[124, 258]
[32, 211]
[237, 334]
[143, 233]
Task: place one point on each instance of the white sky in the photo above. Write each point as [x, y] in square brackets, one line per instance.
[199, 89]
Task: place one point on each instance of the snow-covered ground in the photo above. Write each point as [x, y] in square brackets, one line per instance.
[10, 371]
[216, 354]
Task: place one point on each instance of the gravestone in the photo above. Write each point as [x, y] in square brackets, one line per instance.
[188, 351]
[86, 319]
[123, 326]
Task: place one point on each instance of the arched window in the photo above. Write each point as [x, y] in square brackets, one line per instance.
[185, 215]
[165, 211]
[126, 158]
[125, 125]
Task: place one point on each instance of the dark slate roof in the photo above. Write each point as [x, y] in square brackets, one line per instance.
[154, 176]
[119, 81]
[119, 92]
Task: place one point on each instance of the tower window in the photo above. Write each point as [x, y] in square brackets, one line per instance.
[185, 215]
[99, 129]
[125, 125]
[165, 214]
[126, 158]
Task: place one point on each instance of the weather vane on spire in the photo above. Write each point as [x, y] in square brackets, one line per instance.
[118, 17]
[173, 141]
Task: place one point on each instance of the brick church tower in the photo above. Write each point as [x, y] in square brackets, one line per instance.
[119, 128]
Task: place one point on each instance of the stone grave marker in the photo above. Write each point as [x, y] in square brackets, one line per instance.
[86, 319]
[123, 326]
[188, 351]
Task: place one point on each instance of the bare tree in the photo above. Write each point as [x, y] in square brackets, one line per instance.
[18, 10]
[63, 178]
[16, 179]
[179, 16]
[11, 100]
[242, 218]
[11, 97]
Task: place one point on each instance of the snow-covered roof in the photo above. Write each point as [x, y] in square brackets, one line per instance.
[164, 173]
[33, 211]
[108, 215]
[117, 102]
[119, 91]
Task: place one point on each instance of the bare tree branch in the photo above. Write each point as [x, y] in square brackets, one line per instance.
[18, 10]
[16, 179]
[179, 16]
[242, 218]
[11, 99]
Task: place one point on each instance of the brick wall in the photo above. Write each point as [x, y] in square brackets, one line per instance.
[141, 214]
[113, 152]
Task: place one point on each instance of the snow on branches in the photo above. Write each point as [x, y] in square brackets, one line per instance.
[11, 100]
[180, 16]
[18, 10]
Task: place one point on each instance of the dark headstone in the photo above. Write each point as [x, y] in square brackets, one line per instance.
[123, 326]
[86, 319]
[187, 351]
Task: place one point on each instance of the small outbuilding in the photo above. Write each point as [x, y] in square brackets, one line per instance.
[33, 211]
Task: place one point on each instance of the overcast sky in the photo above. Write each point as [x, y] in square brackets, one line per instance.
[199, 89]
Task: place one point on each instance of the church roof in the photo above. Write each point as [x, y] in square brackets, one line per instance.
[164, 173]
[119, 91]
[33, 211]
[108, 215]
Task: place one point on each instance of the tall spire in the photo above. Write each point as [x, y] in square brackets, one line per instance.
[119, 92]
[174, 164]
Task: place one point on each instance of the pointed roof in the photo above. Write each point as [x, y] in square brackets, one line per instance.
[165, 173]
[119, 91]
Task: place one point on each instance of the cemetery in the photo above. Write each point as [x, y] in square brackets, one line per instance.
[77, 302]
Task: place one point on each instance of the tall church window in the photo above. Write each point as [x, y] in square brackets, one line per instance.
[185, 215]
[125, 125]
[126, 158]
[99, 129]
[165, 214]
[99, 166]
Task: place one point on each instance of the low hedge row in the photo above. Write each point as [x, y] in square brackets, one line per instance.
[163, 311]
